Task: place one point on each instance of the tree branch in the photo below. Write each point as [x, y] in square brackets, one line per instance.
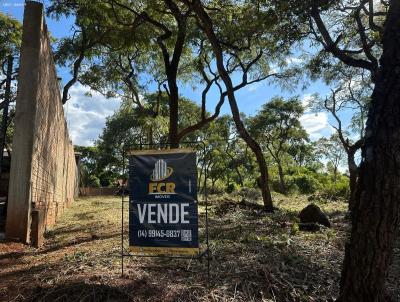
[332, 46]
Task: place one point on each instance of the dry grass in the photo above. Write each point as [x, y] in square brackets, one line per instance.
[255, 257]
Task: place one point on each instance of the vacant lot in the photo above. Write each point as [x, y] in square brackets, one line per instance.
[255, 256]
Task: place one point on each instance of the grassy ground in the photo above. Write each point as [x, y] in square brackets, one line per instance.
[255, 257]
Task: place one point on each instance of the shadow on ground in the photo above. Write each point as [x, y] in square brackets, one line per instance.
[255, 256]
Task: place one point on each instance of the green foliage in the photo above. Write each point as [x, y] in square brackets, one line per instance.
[336, 190]
[278, 129]
[10, 36]
[294, 228]
[87, 179]
[144, 51]
[304, 183]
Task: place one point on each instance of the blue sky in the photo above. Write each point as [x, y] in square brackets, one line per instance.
[86, 115]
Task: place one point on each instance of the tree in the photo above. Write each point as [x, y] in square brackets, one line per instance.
[357, 35]
[277, 127]
[225, 154]
[368, 255]
[86, 40]
[168, 33]
[10, 36]
[245, 38]
[10, 42]
[118, 52]
[349, 97]
[332, 150]
[130, 128]
[90, 173]
[165, 33]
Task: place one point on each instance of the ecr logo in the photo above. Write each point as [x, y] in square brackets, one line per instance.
[161, 172]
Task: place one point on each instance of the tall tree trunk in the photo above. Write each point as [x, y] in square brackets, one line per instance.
[376, 213]
[353, 175]
[173, 113]
[335, 169]
[150, 136]
[213, 180]
[239, 175]
[282, 185]
[199, 182]
[254, 146]
[7, 98]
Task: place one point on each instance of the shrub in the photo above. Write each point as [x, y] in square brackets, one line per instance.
[230, 188]
[303, 183]
[336, 190]
[250, 193]
[217, 188]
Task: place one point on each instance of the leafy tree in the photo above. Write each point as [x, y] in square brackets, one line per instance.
[165, 33]
[350, 97]
[10, 36]
[277, 127]
[364, 34]
[130, 128]
[10, 43]
[120, 56]
[332, 150]
[87, 40]
[247, 40]
[225, 154]
[89, 168]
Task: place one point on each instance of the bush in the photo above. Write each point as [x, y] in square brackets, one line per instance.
[250, 193]
[336, 190]
[218, 187]
[93, 181]
[230, 188]
[303, 183]
[275, 184]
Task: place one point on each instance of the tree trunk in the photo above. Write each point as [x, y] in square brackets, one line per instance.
[353, 175]
[335, 168]
[213, 180]
[376, 212]
[7, 98]
[173, 113]
[282, 185]
[200, 176]
[239, 176]
[254, 146]
[150, 136]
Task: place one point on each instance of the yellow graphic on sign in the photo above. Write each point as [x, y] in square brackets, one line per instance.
[161, 171]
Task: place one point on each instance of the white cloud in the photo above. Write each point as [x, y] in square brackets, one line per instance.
[293, 60]
[305, 101]
[86, 115]
[316, 124]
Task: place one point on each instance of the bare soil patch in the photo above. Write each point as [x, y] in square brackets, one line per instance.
[255, 257]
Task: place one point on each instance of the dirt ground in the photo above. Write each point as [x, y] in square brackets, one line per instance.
[255, 257]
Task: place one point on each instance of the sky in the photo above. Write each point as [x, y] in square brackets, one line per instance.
[86, 115]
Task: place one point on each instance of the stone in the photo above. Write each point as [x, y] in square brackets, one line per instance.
[313, 214]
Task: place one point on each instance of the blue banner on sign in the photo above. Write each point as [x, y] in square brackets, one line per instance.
[163, 210]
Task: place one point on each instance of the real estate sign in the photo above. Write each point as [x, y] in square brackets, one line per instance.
[163, 213]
